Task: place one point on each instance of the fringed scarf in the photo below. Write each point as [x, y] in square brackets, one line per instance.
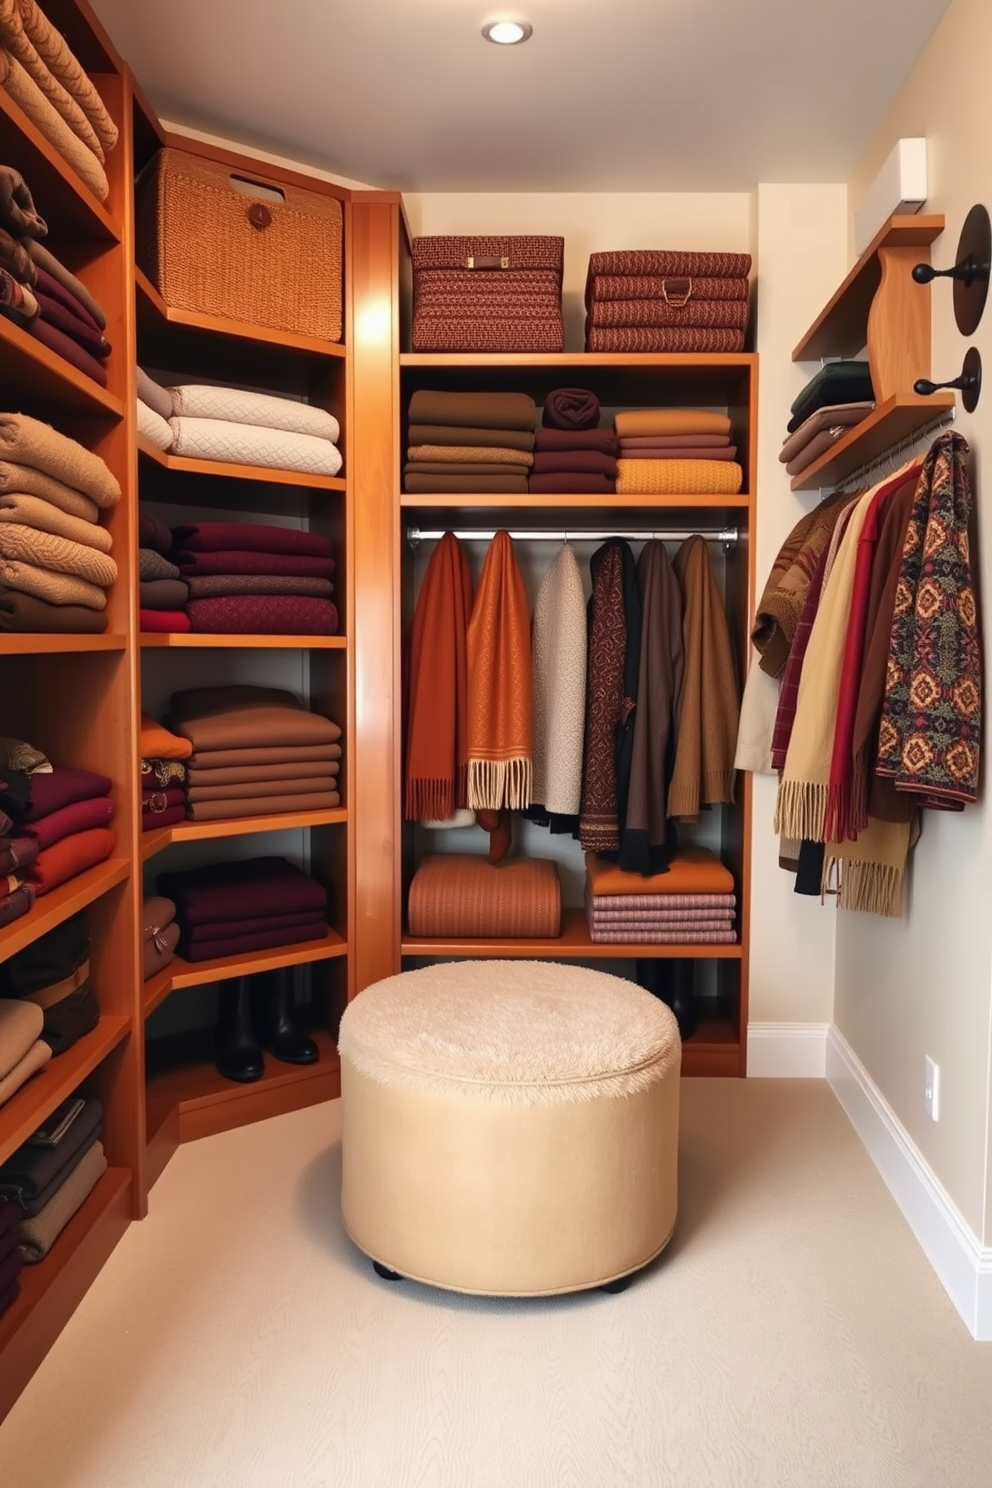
[611, 693]
[931, 717]
[436, 739]
[500, 687]
[704, 773]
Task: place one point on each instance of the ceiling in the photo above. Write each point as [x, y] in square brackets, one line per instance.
[636, 95]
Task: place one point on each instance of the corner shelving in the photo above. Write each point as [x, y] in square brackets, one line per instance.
[159, 838]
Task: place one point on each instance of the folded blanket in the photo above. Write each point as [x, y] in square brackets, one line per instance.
[467, 454]
[221, 725]
[154, 396]
[678, 477]
[247, 444]
[156, 742]
[68, 348]
[642, 422]
[32, 511]
[258, 925]
[72, 856]
[57, 554]
[241, 890]
[585, 462]
[22, 613]
[263, 615]
[205, 760]
[260, 775]
[249, 537]
[62, 64]
[467, 470]
[14, 257]
[239, 406]
[25, 480]
[461, 896]
[163, 594]
[646, 449]
[153, 567]
[657, 286]
[723, 314]
[549, 440]
[678, 339]
[692, 871]
[519, 439]
[232, 810]
[570, 408]
[28, 442]
[54, 588]
[427, 485]
[43, 258]
[52, 790]
[648, 936]
[152, 427]
[154, 534]
[164, 622]
[295, 565]
[239, 945]
[215, 586]
[78, 816]
[832, 416]
[267, 799]
[18, 213]
[572, 484]
[473, 410]
[704, 446]
[34, 1060]
[39, 1234]
[31, 100]
[836, 382]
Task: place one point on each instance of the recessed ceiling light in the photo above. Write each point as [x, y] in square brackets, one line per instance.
[507, 33]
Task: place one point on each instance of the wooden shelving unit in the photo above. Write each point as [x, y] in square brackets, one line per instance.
[184, 465]
[573, 944]
[159, 838]
[153, 640]
[43, 374]
[899, 418]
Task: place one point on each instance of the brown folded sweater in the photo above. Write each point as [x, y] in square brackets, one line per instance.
[550, 440]
[62, 64]
[306, 785]
[24, 480]
[58, 554]
[427, 485]
[519, 439]
[260, 775]
[24, 614]
[19, 86]
[587, 462]
[33, 511]
[474, 410]
[275, 754]
[15, 39]
[254, 806]
[465, 454]
[452, 467]
[26, 441]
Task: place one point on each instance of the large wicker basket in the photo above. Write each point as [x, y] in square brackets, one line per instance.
[219, 250]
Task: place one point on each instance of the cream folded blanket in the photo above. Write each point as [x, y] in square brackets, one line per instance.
[58, 554]
[55, 588]
[153, 427]
[19, 44]
[240, 406]
[48, 121]
[27, 441]
[62, 64]
[31, 511]
[157, 397]
[247, 444]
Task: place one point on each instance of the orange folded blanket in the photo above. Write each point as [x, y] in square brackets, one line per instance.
[693, 870]
[462, 897]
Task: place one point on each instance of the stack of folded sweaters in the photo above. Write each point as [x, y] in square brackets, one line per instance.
[571, 453]
[676, 452]
[469, 442]
[692, 904]
[246, 578]
[53, 974]
[46, 81]
[159, 934]
[53, 307]
[651, 300]
[838, 397]
[228, 909]
[67, 814]
[163, 775]
[17, 853]
[255, 751]
[50, 1177]
[11, 1260]
[488, 293]
[163, 592]
[55, 563]
[238, 426]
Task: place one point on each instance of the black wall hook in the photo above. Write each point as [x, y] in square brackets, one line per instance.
[968, 383]
[971, 271]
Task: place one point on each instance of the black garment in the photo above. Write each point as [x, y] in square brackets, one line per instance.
[809, 876]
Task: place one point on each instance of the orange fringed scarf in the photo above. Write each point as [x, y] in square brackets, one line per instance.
[437, 738]
[500, 698]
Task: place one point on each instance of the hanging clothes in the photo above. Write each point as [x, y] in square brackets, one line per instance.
[560, 646]
[436, 733]
[611, 695]
[500, 686]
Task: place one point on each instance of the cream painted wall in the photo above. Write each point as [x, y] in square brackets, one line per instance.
[591, 222]
[801, 255]
[920, 986]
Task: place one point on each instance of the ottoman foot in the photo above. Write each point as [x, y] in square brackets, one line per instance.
[385, 1273]
[620, 1285]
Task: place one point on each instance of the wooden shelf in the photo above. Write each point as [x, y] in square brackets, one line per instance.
[183, 465]
[53, 1289]
[691, 361]
[896, 419]
[714, 1049]
[622, 381]
[180, 973]
[62, 902]
[497, 501]
[841, 328]
[29, 644]
[153, 309]
[152, 640]
[574, 943]
[42, 376]
[205, 1103]
[159, 838]
[28, 1107]
[70, 208]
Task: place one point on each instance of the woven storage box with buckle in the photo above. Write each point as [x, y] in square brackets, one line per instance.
[653, 300]
[488, 294]
[249, 249]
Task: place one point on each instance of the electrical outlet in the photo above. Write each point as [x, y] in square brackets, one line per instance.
[931, 1089]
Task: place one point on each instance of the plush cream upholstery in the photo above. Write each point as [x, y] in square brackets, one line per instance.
[509, 1127]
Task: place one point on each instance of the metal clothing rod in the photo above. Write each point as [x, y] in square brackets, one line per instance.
[728, 536]
[890, 457]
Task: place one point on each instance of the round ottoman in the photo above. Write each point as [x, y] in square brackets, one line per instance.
[509, 1127]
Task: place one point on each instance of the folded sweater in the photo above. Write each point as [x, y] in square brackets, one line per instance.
[27, 441]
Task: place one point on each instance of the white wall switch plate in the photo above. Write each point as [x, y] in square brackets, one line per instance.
[931, 1088]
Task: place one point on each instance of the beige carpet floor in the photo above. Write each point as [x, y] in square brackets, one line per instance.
[793, 1336]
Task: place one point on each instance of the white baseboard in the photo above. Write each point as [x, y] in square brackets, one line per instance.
[787, 1051]
[962, 1263]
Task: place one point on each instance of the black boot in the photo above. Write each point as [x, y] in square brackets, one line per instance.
[671, 981]
[280, 1026]
[238, 1056]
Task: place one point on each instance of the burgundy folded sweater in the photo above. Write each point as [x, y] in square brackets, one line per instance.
[263, 614]
[604, 440]
[210, 950]
[85, 336]
[65, 347]
[61, 787]
[248, 561]
[572, 484]
[241, 890]
[50, 286]
[260, 925]
[249, 537]
[80, 816]
[586, 462]
[153, 533]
